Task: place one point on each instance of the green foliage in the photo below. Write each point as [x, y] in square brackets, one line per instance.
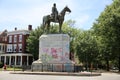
[87, 50]
[1, 64]
[33, 42]
[107, 27]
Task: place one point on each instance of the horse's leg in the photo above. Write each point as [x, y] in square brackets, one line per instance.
[48, 26]
[60, 26]
[45, 27]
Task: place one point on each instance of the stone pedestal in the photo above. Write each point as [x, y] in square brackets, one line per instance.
[54, 52]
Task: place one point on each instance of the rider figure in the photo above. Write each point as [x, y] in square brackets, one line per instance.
[54, 12]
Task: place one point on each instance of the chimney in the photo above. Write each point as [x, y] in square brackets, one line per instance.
[29, 27]
[15, 28]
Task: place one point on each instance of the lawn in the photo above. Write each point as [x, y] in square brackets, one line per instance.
[12, 69]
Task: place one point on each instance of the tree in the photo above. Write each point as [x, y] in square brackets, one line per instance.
[107, 26]
[86, 48]
[69, 28]
[33, 42]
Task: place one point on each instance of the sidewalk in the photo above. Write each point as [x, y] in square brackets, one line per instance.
[58, 73]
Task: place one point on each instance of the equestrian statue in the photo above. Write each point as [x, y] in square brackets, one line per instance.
[54, 17]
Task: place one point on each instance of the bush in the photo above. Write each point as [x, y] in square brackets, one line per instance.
[1, 64]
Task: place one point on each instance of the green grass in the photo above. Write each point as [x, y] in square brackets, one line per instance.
[12, 69]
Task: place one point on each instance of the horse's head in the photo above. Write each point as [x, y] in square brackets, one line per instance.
[67, 9]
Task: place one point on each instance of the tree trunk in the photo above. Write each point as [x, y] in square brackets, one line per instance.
[107, 64]
[119, 64]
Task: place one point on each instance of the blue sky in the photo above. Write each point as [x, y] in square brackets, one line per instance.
[21, 13]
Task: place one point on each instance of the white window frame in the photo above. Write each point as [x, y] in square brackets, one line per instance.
[20, 38]
[9, 48]
[15, 48]
[10, 39]
[15, 38]
[20, 47]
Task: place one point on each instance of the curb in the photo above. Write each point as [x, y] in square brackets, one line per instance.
[58, 73]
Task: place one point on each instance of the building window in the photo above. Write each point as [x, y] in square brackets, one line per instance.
[5, 38]
[3, 48]
[0, 47]
[9, 48]
[15, 46]
[15, 38]
[10, 39]
[20, 38]
[20, 47]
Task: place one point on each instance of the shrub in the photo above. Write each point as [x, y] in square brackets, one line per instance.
[1, 64]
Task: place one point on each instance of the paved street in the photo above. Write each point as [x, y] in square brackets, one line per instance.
[4, 75]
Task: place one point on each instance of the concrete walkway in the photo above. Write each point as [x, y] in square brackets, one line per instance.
[57, 73]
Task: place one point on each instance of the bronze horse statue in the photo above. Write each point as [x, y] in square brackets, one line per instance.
[60, 18]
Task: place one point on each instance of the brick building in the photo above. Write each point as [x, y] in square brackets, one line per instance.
[15, 48]
[3, 41]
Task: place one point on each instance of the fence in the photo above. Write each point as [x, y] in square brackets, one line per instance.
[53, 67]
